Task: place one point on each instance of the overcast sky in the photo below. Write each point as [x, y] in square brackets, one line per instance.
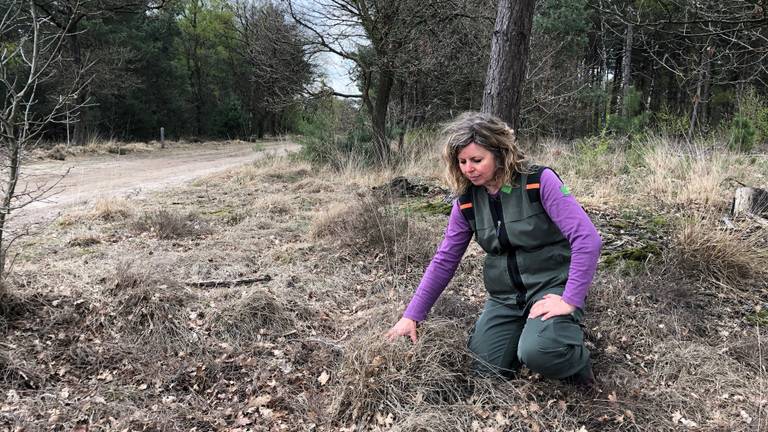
[336, 70]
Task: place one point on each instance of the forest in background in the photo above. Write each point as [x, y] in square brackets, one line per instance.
[244, 69]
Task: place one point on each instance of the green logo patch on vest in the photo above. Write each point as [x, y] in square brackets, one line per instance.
[506, 189]
[564, 189]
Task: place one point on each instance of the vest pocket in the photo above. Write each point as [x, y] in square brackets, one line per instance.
[545, 267]
[495, 275]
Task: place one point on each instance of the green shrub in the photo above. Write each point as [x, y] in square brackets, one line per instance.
[332, 130]
[635, 121]
[752, 106]
[742, 134]
[230, 118]
[590, 155]
[670, 123]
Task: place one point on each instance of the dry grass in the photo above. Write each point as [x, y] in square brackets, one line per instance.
[681, 175]
[377, 377]
[268, 171]
[112, 209]
[428, 386]
[58, 152]
[113, 146]
[150, 309]
[104, 209]
[166, 225]
[277, 205]
[84, 240]
[133, 348]
[374, 224]
[597, 180]
[255, 314]
[706, 248]
[13, 372]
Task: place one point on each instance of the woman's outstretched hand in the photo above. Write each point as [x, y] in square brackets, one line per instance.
[551, 305]
[404, 327]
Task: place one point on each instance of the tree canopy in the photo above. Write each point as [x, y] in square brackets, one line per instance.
[245, 68]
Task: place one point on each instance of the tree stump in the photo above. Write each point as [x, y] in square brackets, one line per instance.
[749, 200]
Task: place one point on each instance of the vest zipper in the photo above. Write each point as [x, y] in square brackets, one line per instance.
[512, 267]
[514, 274]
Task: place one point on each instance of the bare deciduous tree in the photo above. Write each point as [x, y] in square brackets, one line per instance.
[30, 53]
[380, 38]
[272, 46]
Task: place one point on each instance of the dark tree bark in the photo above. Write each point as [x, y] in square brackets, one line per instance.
[79, 130]
[509, 58]
[616, 85]
[700, 99]
[379, 115]
[626, 69]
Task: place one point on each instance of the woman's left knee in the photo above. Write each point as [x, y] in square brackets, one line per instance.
[554, 349]
[545, 357]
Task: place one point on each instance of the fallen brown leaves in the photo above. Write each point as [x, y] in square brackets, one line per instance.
[106, 336]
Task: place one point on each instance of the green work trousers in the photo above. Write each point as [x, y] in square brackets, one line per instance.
[504, 339]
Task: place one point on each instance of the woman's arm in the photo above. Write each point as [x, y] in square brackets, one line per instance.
[458, 233]
[576, 226]
[442, 267]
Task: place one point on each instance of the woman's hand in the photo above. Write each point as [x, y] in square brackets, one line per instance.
[404, 327]
[551, 305]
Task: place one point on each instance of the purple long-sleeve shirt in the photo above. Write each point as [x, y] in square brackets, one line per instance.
[564, 211]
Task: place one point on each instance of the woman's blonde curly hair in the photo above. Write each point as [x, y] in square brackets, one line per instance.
[492, 134]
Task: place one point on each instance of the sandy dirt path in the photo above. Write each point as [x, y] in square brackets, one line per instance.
[94, 177]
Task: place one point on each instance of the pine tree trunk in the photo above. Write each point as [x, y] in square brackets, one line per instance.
[509, 59]
[379, 115]
[626, 69]
[699, 111]
[79, 126]
[615, 102]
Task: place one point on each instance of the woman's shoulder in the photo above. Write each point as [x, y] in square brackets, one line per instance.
[543, 173]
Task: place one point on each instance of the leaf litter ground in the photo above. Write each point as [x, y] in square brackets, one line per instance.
[105, 327]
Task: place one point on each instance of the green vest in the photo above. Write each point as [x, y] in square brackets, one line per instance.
[526, 252]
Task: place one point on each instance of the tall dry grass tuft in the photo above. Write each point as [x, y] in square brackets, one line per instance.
[149, 308]
[100, 145]
[166, 225]
[373, 224]
[14, 373]
[378, 377]
[419, 155]
[595, 174]
[260, 312]
[267, 171]
[429, 386]
[733, 258]
[685, 175]
[111, 209]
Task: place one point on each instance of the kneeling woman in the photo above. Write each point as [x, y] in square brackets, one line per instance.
[542, 251]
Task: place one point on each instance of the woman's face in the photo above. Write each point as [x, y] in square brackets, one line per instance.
[479, 166]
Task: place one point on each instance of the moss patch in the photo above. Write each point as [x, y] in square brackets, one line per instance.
[637, 254]
[759, 318]
[437, 207]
